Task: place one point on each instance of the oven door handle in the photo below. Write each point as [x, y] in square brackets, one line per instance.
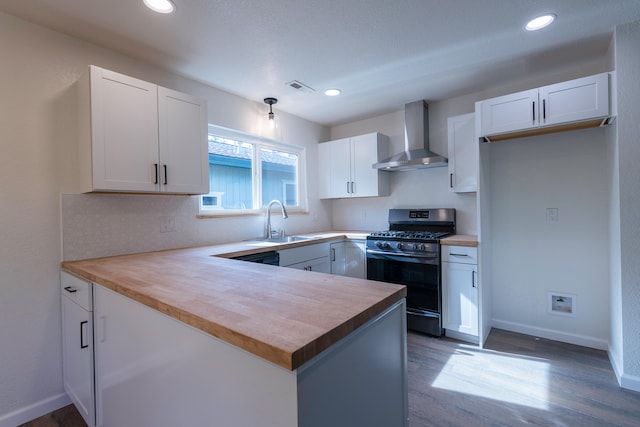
[421, 259]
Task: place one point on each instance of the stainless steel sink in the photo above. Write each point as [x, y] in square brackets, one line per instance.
[284, 239]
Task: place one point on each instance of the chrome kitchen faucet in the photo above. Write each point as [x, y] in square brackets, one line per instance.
[269, 232]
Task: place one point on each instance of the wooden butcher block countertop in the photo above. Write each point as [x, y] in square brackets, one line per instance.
[283, 315]
[460, 240]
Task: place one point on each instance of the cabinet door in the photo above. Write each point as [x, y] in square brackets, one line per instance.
[365, 151]
[124, 132]
[460, 297]
[355, 259]
[348, 259]
[338, 258]
[183, 146]
[324, 170]
[516, 111]
[463, 153]
[575, 100]
[340, 169]
[77, 357]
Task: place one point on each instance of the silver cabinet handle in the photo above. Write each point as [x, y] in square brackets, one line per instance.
[70, 289]
[460, 255]
[473, 279]
[333, 254]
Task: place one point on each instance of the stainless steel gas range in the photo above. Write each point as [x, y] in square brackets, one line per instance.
[408, 253]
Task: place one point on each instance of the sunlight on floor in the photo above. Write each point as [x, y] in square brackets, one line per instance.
[496, 377]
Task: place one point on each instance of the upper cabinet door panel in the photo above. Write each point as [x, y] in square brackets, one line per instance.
[183, 143]
[365, 149]
[575, 100]
[324, 170]
[507, 113]
[124, 132]
[340, 170]
[463, 153]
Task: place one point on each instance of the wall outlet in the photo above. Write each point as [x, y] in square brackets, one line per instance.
[167, 224]
[552, 215]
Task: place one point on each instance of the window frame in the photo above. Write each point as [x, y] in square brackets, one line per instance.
[259, 143]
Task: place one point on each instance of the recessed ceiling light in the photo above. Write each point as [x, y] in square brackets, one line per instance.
[332, 92]
[540, 22]
[160, 6]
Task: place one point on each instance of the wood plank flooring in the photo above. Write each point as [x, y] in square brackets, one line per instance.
[516, 380]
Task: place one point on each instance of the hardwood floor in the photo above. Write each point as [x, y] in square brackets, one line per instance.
[63, 417]
[516, 380]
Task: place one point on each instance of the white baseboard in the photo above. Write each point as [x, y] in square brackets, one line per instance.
[551, 334]
[627, 381]
[462, 337]
[35, 410]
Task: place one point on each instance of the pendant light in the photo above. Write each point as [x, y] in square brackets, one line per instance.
[271, 117]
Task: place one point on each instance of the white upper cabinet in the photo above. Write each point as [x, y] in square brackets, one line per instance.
[575, 104]
[463, 153]
[139, 137]
[507, 113]
[183, 143]
[575, 100]
[346, 167]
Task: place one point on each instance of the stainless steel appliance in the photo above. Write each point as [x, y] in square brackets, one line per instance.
[409, 254]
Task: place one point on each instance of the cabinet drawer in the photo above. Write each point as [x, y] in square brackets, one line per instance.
[460, 254]
[76, 289]
[303, 253]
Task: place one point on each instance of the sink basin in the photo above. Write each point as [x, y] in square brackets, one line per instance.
[284, 239]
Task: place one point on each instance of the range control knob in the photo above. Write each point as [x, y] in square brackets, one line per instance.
[422, 247]
[400, 246]
[412, 246]
[383, 245]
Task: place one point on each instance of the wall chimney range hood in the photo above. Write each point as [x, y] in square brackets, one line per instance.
[416, 142]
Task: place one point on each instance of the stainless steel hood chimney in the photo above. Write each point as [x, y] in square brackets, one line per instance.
[416, 142]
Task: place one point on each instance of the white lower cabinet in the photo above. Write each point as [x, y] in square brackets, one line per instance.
[348, 258]
[309, 257]
[152, 370]
[460, 290]
[77, 344]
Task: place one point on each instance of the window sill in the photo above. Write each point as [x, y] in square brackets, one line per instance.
[234, 214]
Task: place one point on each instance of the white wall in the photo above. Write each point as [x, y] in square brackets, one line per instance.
[625, 212]
[533, 256]
[37, 136]
[427, 188]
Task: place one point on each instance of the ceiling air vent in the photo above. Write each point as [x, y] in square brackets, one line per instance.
[300, 86]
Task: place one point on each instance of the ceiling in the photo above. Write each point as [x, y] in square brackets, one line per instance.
[381, 53]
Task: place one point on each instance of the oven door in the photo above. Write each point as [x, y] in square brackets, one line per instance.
[421, 276]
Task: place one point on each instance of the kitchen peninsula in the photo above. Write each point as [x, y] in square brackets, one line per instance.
[184, 337]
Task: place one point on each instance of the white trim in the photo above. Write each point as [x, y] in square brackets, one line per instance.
[552, 334]
[461, 336]
[35, 410]
[629, 382]
[259, 143]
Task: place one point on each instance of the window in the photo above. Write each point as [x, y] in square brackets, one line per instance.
[237, 185]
